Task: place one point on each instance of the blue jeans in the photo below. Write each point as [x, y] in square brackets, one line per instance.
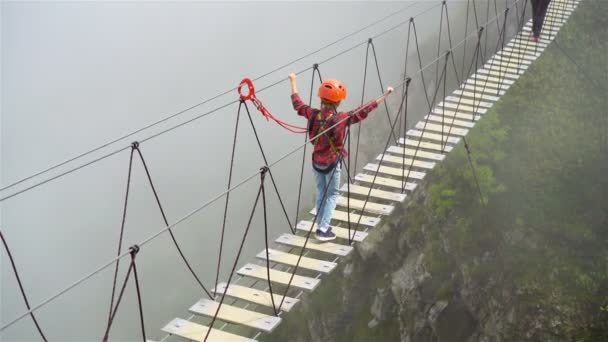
[326, 206]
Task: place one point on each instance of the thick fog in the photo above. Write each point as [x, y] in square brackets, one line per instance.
[76, 75]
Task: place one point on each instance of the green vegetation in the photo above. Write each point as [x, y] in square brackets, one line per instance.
[541, 158]
[528, 259]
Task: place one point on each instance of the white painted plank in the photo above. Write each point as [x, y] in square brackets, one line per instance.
[354, 218]
[450, 121]
[232, 314]
[407, 161]
[393, 171]
[371, 207]
[432, 136]
[480, 84]
[504, 75]
[412, 152]
[425, 145]
[255, 296]
[196, 332]
[496, 80]
[476, 103]
[478, 88]
[279, 277]
[312, 244]
[462, 107]
[377, 193]
[392, 183]
[340, 232]
[442, 129]
[476, 96]
[292, 259]
[512, 60]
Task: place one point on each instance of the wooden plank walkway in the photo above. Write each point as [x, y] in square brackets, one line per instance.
[381, 182]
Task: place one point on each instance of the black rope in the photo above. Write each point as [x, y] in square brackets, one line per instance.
[219, 259]
[427, 118]
[405, 110]
[262, 178]
[27, 303]
[274, 184]
[466, 146]
[122, 229]
[579, 67]
[426, 96]
[238, 256]
[443, 6]
[466, 32]
[388, 141]
[133, 250]
[382, 90]
[447, 19]
[162, 212]
[362, 99]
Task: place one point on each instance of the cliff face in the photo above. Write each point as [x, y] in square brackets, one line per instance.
[528, 261]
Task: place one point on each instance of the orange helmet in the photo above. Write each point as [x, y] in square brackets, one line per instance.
[332, 91]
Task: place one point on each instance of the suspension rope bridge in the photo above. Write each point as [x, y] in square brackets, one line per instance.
[408, 155]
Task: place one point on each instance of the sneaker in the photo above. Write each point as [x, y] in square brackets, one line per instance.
[324, 236]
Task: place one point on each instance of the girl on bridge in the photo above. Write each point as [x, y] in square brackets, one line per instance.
[329, 148]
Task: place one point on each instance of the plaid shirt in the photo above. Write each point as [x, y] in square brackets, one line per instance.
[322, 154]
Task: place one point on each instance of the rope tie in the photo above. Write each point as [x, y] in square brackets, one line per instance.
[262, 109]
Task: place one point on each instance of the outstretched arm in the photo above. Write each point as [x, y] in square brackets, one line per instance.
[360, 113]
[293, 80]
[389, 90]
[299, 105]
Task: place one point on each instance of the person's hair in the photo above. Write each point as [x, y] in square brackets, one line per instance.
[330, 105]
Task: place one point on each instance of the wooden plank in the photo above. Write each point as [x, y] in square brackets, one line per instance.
[492, 65]
[255, 296]
[405, 161]
[502, 74]
[541, 41]
[519, 61]
[424, 144]
[197, 332]
[477, 88]
[509, 55]
[524, 41]
[476, 96]
[393, 171]
[279, 277]
[476, 103]
[528, 47]
[462, 107]
[392, 183]
[292, 259]
[354, 218]
[340, 232]
[312, 244]
[480, 84]
[363, 191]
[545, 29]
[499, 60]
[450, 121]
[232, 314]
[498, 81]
[411, 152]
[371, 207]
[431, 136]
[442, 129]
